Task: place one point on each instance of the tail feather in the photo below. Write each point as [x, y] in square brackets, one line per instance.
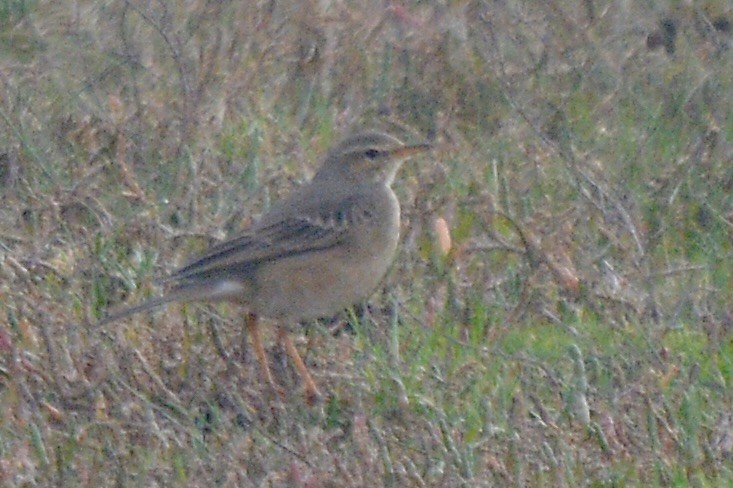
[182, 295]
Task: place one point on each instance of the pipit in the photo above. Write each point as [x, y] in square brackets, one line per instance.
[320, 250]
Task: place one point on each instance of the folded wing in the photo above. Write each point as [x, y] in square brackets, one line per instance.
[275, 237]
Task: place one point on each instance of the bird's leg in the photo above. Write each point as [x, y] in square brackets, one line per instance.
[254, 333]
[312, 394]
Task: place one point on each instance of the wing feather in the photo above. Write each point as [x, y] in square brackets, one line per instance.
[278, 235]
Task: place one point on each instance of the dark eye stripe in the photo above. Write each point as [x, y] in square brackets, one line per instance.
[371, 153]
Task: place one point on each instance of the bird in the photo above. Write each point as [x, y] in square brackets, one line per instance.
[323, 248]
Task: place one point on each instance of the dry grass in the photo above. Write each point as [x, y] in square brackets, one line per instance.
[579, 331]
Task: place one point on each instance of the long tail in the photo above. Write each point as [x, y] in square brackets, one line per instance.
[181, 295]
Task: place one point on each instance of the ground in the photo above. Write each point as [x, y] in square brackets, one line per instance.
[559, 313]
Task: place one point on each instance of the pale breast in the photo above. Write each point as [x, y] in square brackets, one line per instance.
[323, 283]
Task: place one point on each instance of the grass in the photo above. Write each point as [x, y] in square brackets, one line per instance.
[577, 333]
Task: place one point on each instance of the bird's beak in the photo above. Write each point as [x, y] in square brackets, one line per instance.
[407, 151]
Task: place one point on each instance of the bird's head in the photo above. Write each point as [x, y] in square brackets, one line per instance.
[367, 157]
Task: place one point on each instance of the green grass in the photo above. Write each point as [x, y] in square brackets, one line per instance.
[578, 332]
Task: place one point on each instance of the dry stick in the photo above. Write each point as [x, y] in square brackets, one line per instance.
[567, 156]
[239, 402]
[156, 379]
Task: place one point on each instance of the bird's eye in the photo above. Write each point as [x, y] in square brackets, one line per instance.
[371, 153]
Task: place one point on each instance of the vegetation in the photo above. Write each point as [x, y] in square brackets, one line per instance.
[576, 330]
